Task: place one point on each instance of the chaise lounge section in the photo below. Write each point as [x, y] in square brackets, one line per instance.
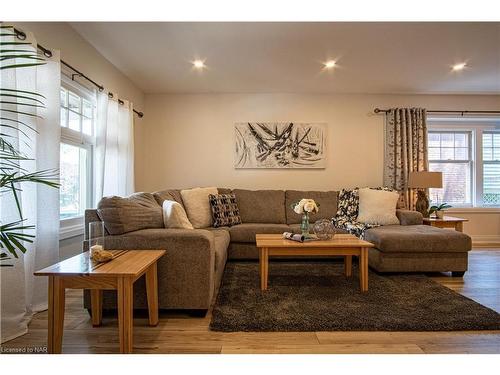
[191, 271]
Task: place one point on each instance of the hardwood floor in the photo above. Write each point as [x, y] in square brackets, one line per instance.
[177, 333]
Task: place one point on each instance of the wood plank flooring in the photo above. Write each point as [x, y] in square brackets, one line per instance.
[177, 333]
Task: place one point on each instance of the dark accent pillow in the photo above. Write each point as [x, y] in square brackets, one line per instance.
[225, 210]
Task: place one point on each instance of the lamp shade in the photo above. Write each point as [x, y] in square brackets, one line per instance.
[422, 180]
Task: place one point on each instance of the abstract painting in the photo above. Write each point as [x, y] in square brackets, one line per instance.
[280, 145]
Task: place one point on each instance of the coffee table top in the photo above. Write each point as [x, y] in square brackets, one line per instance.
[445, 218]
[338, 240]
[124, 263]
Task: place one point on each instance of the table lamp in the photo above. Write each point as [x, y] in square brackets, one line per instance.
[422, 181]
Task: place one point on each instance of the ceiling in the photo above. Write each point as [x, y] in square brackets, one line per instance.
[287, 57]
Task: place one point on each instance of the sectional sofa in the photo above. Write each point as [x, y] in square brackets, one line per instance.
[191, 271]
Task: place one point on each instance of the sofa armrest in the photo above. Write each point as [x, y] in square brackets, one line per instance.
[186, 273]
[407, 217]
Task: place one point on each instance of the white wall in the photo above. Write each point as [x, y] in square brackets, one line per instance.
[188, 140]
[77, 52]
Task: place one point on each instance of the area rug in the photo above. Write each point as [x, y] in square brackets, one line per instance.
[316, 296]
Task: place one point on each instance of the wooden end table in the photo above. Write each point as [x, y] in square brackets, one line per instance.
[456, 223]
[346, 245]
[80, 272]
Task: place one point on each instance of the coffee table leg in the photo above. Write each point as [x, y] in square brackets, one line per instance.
[264, 267]
[152, 294]
[96, 305]
[56, 314]
[125, 314]
[363, 269]
[348, 265]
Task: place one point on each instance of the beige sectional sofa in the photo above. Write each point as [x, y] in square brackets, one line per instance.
[191, 271]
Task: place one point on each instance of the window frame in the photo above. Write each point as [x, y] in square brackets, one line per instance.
[469, 161]
[483, 162]
[74, 226]
[475, 125]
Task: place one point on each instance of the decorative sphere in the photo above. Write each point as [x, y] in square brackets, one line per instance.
[323, 229]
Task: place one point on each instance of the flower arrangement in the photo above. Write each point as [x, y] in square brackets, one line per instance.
[305, 207]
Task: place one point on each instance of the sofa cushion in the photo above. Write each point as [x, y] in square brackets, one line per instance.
[174, 215]
[261, 206]
[122, 215]
[171, 195]
[197, 206]
[246, 232]
[225, 211]
[377, 207]
[417, 239]
[326, 199]
[221, 243]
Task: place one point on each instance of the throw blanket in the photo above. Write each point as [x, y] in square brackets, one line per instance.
[347, 213]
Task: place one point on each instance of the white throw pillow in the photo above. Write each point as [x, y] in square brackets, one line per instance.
[377, 207]
[174, 216]
[197, 206]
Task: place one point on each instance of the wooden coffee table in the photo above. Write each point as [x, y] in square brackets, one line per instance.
[80, 272]
[345, 245]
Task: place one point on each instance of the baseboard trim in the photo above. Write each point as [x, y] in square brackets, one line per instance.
[485, 241]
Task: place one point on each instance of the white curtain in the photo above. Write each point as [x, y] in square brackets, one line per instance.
[22, 294]
[114, 153]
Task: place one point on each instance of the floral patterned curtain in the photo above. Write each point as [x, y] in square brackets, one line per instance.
[405, 150]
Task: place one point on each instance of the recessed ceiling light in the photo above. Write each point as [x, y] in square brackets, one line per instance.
[458, 67]
[330, 64]
[199, 64]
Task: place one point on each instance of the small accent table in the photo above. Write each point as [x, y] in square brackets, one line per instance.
[80, 272]
[346, 245]
[456, 223]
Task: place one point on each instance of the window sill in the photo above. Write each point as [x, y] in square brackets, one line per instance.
[70, 228]
[474, 210]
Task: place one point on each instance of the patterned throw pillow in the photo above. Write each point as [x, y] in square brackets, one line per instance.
[225, 211]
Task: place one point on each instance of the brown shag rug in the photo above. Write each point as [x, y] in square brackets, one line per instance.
[316, 296]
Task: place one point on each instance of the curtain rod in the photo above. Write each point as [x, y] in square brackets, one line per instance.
[378, 110]
[22, 36]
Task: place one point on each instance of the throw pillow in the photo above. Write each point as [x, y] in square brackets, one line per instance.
[122, 215]
[377, 206]
[174, 216]
[225, 210]
[197, 206]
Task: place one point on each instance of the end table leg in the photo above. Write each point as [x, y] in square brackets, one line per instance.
[152, 294]
[125, 314]
[459, 226]
[263, 263]
[56, 314]
[363, 269]
[96, 305]
[348, 265]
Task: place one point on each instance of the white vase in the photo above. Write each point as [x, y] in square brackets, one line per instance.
[440, 214]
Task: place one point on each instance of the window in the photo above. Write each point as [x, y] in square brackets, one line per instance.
[491, 169]
[467, 152]
[450, 153]
[76, 152]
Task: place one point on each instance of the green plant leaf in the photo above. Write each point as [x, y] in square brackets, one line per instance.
[21, 97]
[15, 43]
[20, 113]
[24, 104]
[23, 91]
[15, 66]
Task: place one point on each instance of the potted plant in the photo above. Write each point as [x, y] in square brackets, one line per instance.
[439, 210]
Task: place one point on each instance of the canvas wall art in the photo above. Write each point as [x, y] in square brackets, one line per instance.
[280, 145]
